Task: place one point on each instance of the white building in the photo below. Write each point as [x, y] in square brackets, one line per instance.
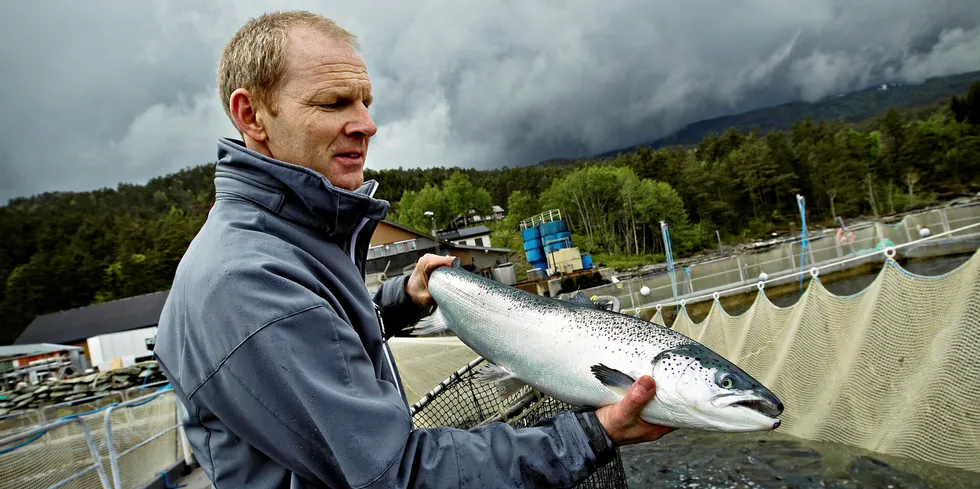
[111, 335]
[471, 236]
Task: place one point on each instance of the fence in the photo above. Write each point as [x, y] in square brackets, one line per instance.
[860, 241]
[117, 446]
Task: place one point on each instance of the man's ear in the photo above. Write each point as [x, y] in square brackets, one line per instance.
[244, 108]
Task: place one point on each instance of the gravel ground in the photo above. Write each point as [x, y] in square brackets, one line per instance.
[696, 459]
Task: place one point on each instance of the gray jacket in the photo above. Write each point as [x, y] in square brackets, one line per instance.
[273, 344]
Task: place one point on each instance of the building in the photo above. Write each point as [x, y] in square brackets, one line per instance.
[471, 236]
[115, 334]
[395, 248]
[112, 334]
[472, 216]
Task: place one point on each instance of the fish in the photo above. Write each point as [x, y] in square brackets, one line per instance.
[582, 353]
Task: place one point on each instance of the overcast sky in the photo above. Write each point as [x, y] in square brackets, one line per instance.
[101, 92]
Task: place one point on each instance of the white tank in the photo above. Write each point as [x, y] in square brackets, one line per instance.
[505, 274]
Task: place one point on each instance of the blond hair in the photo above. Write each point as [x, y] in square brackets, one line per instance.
[255, 57]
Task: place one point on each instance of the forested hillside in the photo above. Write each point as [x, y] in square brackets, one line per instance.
[851, 107]
[66, 250]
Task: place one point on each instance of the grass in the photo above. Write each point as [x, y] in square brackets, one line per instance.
[622, 261]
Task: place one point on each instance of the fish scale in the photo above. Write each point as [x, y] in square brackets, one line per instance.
[585, 355]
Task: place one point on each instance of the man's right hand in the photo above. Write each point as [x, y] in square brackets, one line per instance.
[622, 420]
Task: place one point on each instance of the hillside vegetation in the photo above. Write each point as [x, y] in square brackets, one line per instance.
[853, 107]
[71, 249]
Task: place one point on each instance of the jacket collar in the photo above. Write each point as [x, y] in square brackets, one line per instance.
[294, 192]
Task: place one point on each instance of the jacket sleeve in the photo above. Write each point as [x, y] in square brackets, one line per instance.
[397, 309]
[303, 391]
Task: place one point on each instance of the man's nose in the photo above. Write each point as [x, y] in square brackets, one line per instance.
[361, 123]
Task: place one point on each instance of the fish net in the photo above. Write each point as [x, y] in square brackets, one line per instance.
[892, 369]
[459, 401]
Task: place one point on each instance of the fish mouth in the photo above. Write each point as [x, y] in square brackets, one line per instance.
[763, 406]
[767, 405]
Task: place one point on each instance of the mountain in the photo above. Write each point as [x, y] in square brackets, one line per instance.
[853, 107]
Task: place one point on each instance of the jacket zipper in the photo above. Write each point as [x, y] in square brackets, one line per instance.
[384, 344]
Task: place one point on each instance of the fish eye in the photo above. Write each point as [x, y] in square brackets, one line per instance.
[725, 381]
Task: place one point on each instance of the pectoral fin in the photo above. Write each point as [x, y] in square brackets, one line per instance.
[616, 380]
[431, 324]
[507, 384]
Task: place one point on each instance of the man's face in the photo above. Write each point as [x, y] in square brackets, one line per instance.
[322, 121]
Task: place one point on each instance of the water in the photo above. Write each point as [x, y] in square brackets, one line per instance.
[696, 459]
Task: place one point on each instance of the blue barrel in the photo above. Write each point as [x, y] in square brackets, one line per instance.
[535, 255]
[563, 236]
[553, 227]
[586, 261]
[557, 245]
[534, 244]
[530, 234]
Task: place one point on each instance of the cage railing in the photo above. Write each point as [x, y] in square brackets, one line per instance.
[22, 456]
[813, 271]
[166, 401]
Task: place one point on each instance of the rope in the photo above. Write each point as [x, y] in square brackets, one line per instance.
[23, 443]
[166, 481]
[73, 416]
[63, 418]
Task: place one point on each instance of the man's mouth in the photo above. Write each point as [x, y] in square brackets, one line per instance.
[352, 157]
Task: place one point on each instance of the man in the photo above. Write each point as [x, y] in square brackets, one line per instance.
[269, 336]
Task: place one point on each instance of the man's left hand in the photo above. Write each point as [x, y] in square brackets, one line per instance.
[417, 286]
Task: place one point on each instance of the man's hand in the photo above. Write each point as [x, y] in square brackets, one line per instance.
[417, 286]
[622, 420]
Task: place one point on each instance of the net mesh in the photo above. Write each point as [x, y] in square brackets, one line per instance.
[145, 438]
[891, 369]
[139, 461]
[461, 402]
[17, 422]
[57, 455]
[58, 411]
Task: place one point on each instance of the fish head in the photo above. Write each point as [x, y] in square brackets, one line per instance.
[700, 389]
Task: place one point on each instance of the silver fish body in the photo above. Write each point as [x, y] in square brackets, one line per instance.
[588, 356]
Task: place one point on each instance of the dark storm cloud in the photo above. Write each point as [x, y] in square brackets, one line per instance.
[101, 92]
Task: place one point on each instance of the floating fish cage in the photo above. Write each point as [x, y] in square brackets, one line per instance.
[461, 402]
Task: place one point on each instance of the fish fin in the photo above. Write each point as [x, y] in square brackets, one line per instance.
[433, 323]
[456, 263]
[612, 378]
[509, 387]
[492, 373]
[507, 384]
